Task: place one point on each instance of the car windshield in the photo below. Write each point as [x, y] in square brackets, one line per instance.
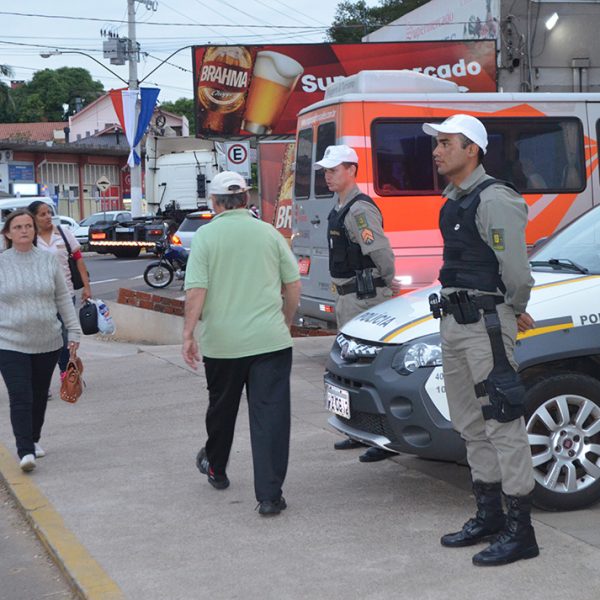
[576, 249]
[193, 223]
[96, 218]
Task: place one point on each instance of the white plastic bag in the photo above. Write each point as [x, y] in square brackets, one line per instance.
[106, 325]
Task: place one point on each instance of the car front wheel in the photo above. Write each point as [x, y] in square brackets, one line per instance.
[563, 425]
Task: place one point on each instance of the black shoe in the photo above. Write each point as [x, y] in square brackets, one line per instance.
[219, 482]
[268, 508]
[516, 541]
[375, 455]
[347, 444]
[488, 521]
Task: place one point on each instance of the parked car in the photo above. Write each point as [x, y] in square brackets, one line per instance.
[192, 222]
[385, 386]
[81, 232]
[65, 221]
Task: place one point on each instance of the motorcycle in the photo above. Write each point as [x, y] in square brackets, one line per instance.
[171, 263]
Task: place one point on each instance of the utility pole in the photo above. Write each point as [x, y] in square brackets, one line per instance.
[135, 170]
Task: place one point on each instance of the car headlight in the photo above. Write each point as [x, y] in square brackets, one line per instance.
[423, 352]
[351, 350]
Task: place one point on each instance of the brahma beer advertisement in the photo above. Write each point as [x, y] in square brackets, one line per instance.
[259, 90]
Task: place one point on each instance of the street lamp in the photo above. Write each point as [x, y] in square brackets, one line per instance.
[50, 53]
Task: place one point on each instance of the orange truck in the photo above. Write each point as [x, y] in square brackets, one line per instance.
[544, 143]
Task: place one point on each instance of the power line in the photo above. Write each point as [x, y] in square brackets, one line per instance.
[273, 8]
[156, 23]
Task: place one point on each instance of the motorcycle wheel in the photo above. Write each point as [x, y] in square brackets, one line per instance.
[158, 275]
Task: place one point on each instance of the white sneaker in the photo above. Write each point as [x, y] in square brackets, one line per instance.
[28, 463]
[39, 451]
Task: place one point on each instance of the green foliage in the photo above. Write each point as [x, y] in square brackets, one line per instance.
[6, 102]
[183, 106]
[43, 97]
[353, 20]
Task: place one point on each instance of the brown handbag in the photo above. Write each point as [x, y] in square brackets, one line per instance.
[72, 384]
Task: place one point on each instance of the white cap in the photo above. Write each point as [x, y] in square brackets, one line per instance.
[228, 182]
[336, 155]
[466, 124]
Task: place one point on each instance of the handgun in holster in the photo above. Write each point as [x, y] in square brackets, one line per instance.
[365, 284]
[503, 385]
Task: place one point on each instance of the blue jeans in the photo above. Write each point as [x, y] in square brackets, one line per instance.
[27, 378]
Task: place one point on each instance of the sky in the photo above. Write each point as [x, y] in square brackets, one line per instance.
[23, 38]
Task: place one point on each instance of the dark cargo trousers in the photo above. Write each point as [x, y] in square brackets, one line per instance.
[267, 381]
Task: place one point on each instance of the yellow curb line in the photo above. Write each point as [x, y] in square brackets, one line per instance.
[87, 578]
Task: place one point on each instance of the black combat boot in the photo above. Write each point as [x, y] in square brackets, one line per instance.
[516, 541]
[488, 521]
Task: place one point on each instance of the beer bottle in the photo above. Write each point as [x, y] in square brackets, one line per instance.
[223, 82]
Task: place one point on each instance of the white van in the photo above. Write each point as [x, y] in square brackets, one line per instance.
[384, 382]
[8, 205]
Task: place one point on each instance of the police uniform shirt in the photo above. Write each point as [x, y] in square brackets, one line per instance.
[364, 226]
[501, 220]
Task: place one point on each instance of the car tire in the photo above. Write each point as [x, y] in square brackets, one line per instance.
[562, 417]
[127, 252]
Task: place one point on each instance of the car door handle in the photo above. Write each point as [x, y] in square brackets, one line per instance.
[315, 221]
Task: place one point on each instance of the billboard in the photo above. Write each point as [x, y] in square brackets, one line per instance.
[259, 90]
[276, 176]
[443, 20]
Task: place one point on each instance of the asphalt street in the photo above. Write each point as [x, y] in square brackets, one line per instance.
[108, 274]
[26, 570]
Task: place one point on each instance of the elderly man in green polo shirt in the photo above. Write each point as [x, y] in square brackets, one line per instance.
[242, 283]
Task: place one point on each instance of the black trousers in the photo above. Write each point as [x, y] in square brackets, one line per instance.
[267, 381]
[27, 378]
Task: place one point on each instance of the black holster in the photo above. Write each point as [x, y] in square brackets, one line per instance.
[503, 385]
[365, 284]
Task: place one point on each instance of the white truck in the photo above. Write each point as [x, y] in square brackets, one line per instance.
[176, 182]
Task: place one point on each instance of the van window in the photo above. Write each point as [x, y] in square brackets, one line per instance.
[325, 137]
[537, 155]
[402, 161]
[303, 164]
[544, 155]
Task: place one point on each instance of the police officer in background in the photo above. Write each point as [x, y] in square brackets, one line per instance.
[486, 282]
[361, 261]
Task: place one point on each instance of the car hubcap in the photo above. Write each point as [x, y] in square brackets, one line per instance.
[564, 436]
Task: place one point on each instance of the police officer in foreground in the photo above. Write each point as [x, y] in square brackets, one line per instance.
[361, 261]
[486, 282]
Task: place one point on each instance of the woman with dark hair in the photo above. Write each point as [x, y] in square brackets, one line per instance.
[54, 239]
[32, 291]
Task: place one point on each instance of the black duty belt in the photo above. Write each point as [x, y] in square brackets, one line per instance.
[350, 288]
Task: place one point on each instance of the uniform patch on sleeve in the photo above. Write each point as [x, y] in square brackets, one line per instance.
[498, 240]
[367, 236]
[361, 220]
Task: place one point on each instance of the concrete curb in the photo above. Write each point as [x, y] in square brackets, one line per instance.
[87, 578]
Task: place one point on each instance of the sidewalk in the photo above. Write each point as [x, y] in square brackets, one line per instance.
[121, 474]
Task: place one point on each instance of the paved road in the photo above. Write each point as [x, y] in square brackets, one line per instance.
[26, 571]
[108, 274]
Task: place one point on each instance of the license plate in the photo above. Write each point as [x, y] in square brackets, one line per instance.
[337, 400]
[124, 229]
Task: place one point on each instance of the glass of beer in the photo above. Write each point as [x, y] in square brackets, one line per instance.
[273, 80]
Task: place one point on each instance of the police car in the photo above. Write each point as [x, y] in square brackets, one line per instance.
[384, 383]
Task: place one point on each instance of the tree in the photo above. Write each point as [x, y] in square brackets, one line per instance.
[353, 20]
[42, 98]
[6, 102]
[182, 106]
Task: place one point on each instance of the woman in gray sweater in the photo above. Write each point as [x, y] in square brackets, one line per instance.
[32, 291]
